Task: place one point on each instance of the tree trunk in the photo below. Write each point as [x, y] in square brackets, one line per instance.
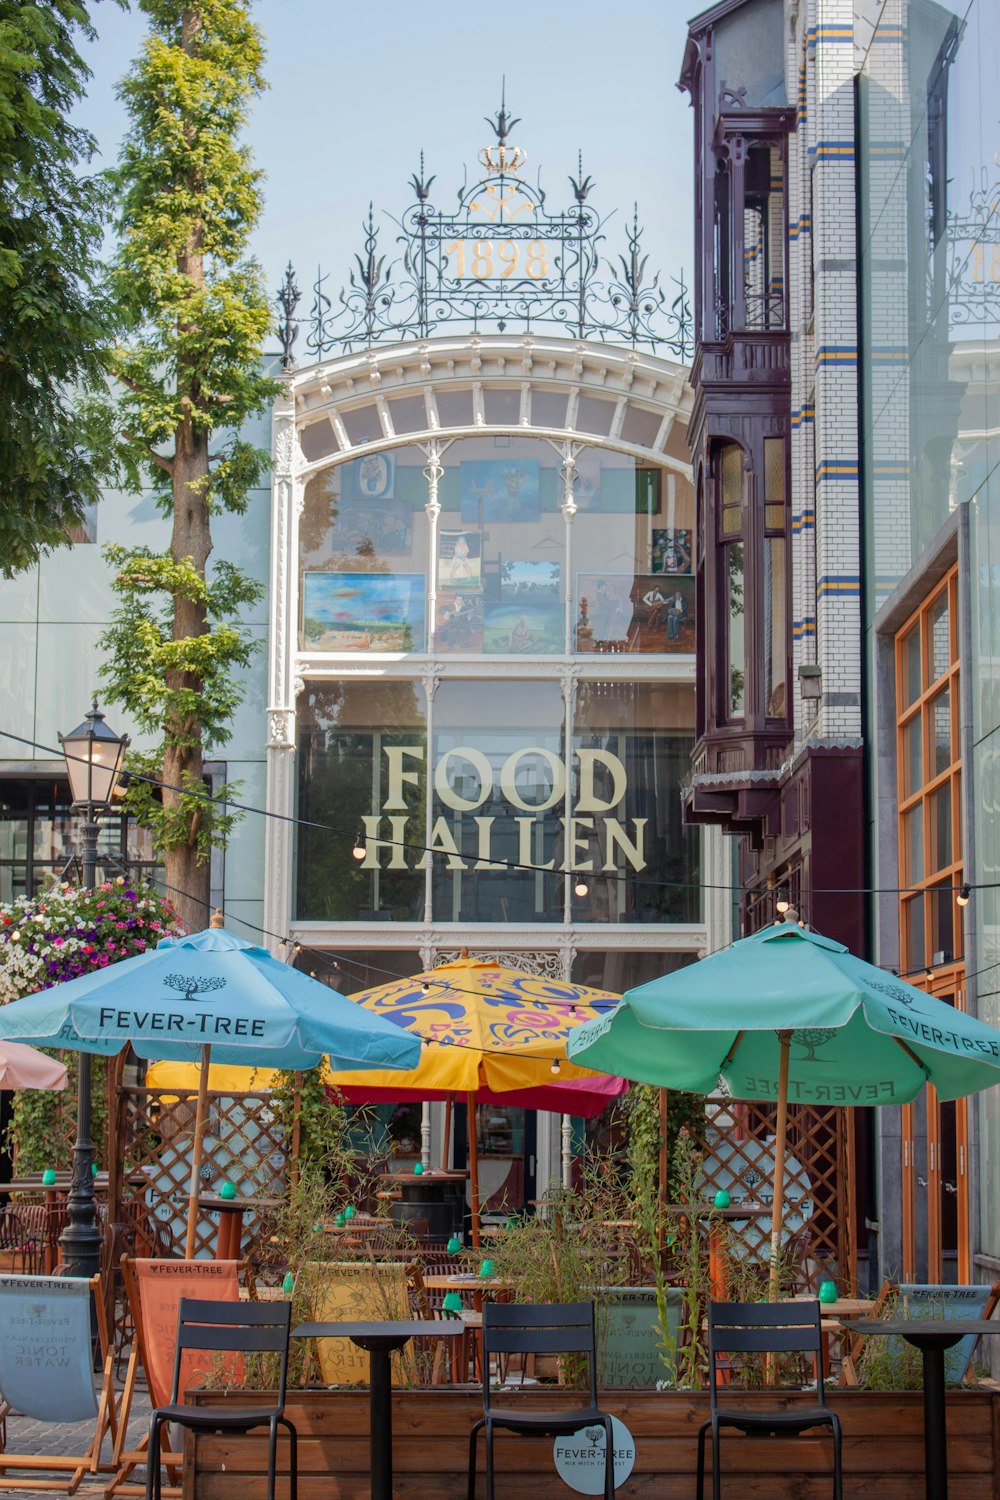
[187, 879]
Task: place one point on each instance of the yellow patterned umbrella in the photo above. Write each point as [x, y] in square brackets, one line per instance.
[488, 1032]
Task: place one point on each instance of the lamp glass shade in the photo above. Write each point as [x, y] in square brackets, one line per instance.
[94, 755]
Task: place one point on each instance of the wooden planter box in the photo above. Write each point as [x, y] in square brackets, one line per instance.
[883, 1449]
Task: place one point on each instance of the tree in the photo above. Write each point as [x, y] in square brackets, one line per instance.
[53, 437]
[191, 370]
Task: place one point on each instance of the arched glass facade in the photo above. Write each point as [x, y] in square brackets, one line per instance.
[480, 587]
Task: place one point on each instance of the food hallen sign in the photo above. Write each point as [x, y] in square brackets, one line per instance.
[530, 783]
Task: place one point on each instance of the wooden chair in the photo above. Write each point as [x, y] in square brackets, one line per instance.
[154, 1289]
[562, 1328]
[235, 1328]
[47, 1374]
[741, 1328]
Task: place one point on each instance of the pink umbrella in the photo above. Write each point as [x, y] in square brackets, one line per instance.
[23, 1067]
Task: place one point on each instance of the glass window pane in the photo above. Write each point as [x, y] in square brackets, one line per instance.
[941, 732]
[548, 408]
[910, 653]
[501, 550]
[764, 238]
[630, 749]
[408, 413]
[633, 539]
[913, 839]
[913, 926]
[731, 487]
[454, 408]
[594, 415]
[943, 925]
[361, 763]
[774, 481]
[736, 663]
[913, 760]
[774, 627]
[502, 408]
[940, 636]
[499, 795]
[362, 424]
[364, 550]
[941, 842]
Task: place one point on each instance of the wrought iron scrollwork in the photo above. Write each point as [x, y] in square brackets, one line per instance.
[500, 259]
[973, 240]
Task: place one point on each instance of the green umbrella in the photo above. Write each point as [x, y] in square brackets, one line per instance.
[790, 1015]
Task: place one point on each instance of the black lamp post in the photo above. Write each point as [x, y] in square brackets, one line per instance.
[94, 755]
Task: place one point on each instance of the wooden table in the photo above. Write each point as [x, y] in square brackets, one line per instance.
[229, 1240]
[380, 1339]
[932, 1336]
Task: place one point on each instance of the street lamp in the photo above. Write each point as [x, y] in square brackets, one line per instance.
[94, 755]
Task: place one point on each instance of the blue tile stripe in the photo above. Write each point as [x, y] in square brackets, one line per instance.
[837, 354]
[842, 584]
[834, 151]
[805, 522]
[804, 628]
[841, 471]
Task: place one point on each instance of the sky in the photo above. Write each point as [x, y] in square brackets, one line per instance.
[356, 91]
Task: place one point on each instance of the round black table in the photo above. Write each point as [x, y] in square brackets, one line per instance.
[380, 1340]
[932, 1336]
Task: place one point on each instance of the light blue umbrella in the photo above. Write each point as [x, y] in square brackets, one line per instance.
[209, 995]
[789, 1015]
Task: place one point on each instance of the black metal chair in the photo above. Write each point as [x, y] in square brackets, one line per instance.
[565, 1328]
[238, 1328]
[741, 1328]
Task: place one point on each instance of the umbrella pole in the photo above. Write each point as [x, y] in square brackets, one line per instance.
[780, 1138]
[201, 1110]
[470, 1100]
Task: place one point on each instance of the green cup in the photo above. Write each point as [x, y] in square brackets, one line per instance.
[350, 1211]
[828, 1291]
[722, 1199]
[487, 1268]
[454, 1244]
[227, 1191]
[48, 1177]
[452, 1302]
[418, 1169]
[288, 1284]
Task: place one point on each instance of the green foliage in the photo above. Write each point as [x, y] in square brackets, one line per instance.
[303, 1105]
[686, 1169]
[196, 309]
[57, 443]
[59, 935]
[194, 313]
[145, 662]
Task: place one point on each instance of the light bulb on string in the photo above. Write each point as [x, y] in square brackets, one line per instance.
[555, 1066]
[581, 887]
[360, 845]
[964, 893]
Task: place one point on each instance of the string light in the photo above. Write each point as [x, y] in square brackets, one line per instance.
[581, 888]
[360, 844]
[964, 892]
[964, 889]
[555, 1065]
[781, 901]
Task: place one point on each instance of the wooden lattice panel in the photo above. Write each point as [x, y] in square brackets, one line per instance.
[739, 1157]
[243, 1144]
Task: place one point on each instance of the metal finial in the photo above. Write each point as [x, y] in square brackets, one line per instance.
[502, 123]
[288, 330]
